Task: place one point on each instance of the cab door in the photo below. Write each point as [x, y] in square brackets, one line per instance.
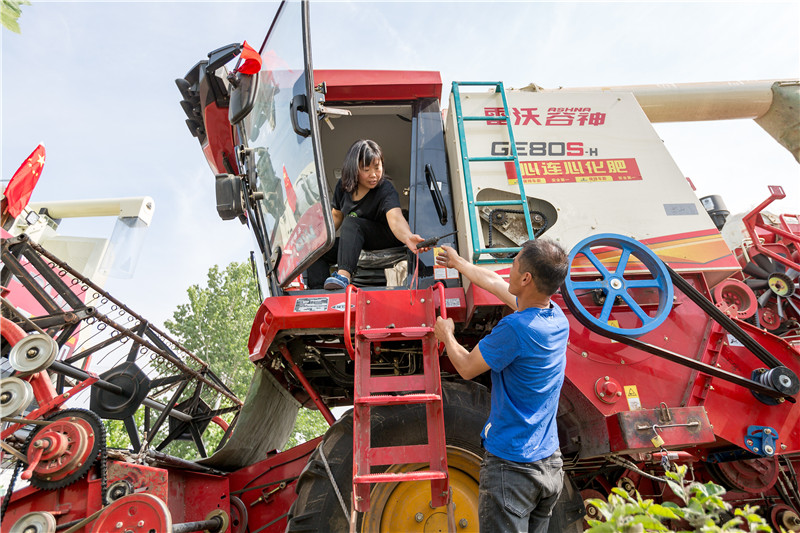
[291, 213]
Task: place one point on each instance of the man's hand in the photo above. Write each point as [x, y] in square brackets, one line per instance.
[482, 277]
[448, 257]
[444, 329]
[467, 364]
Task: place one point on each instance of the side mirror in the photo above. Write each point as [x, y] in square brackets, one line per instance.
[243, 96]
[230, 197]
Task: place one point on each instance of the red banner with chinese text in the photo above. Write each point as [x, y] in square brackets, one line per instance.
[575, 171]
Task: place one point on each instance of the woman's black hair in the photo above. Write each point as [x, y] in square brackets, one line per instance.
[361, 154]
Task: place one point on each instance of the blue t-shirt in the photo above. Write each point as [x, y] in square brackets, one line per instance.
[527, 353]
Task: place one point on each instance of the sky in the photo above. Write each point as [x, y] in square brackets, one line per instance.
[94, 82]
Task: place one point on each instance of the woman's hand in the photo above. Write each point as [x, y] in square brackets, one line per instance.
[412, 242]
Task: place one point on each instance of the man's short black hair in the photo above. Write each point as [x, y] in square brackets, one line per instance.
[546, 261]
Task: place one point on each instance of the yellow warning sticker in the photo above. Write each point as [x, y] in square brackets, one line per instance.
[440, 272]
[613, 324]
[632, 395]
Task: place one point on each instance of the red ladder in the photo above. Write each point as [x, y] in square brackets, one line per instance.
[382, 316]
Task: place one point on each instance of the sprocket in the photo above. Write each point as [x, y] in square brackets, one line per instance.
[82, 437]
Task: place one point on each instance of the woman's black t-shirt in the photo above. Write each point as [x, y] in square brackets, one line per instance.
[373, 206]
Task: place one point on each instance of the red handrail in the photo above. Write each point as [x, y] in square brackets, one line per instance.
[347, 342]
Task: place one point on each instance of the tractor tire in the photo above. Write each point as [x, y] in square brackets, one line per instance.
[317, 507]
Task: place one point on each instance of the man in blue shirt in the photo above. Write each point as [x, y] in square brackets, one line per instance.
[521, 476]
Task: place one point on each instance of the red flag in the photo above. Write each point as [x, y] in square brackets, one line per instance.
[291, 196]
[19, 189]
[251, 61]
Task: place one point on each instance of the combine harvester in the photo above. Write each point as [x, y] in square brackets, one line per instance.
[684, 342]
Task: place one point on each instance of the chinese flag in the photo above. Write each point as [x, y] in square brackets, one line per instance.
[251, 61]
[291, 197]
[19, 189]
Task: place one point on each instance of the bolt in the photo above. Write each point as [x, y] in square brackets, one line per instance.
[463, 523]
[666, 338]
[422, 300]
[66, 395]
[606, 378]
[783, 446]
[711, 387]
[32, 353]
[767, 431]
[619, 393]
[749, 442]
[423, 325]
[602, 395]
[584, 354]
[140, 523]
[118, 525]
[419, 517]
[368, 301]
[755, 449]
[769, 450]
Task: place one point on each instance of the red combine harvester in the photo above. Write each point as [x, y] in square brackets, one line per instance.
[685, 328]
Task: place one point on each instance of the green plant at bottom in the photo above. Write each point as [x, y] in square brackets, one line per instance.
[703, 510]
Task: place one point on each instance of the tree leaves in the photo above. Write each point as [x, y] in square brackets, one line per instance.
[10, 11]
[703, 510]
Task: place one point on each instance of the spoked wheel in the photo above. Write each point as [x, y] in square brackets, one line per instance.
[399, 506]
[612, 288]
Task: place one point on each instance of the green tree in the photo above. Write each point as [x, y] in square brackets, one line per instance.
[10, 11]
[215, 323]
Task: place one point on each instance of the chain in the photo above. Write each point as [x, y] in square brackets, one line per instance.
[17, 468]
[103, 467]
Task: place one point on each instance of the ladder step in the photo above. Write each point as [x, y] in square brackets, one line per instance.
[395, 383]
[419, 475]
[490, 203]
[405, 399]
[394, 333]
[414, 453]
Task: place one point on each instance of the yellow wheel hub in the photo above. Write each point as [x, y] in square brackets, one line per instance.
[406, 507]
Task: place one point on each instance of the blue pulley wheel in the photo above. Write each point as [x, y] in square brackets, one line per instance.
[609, 285]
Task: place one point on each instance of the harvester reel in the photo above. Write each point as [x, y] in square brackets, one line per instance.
[15, 395]
[38, 522]
[33, 354]
[614, 285]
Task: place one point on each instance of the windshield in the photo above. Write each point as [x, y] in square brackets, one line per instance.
[291, 205]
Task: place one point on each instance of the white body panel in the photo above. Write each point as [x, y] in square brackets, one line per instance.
[592, 163]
